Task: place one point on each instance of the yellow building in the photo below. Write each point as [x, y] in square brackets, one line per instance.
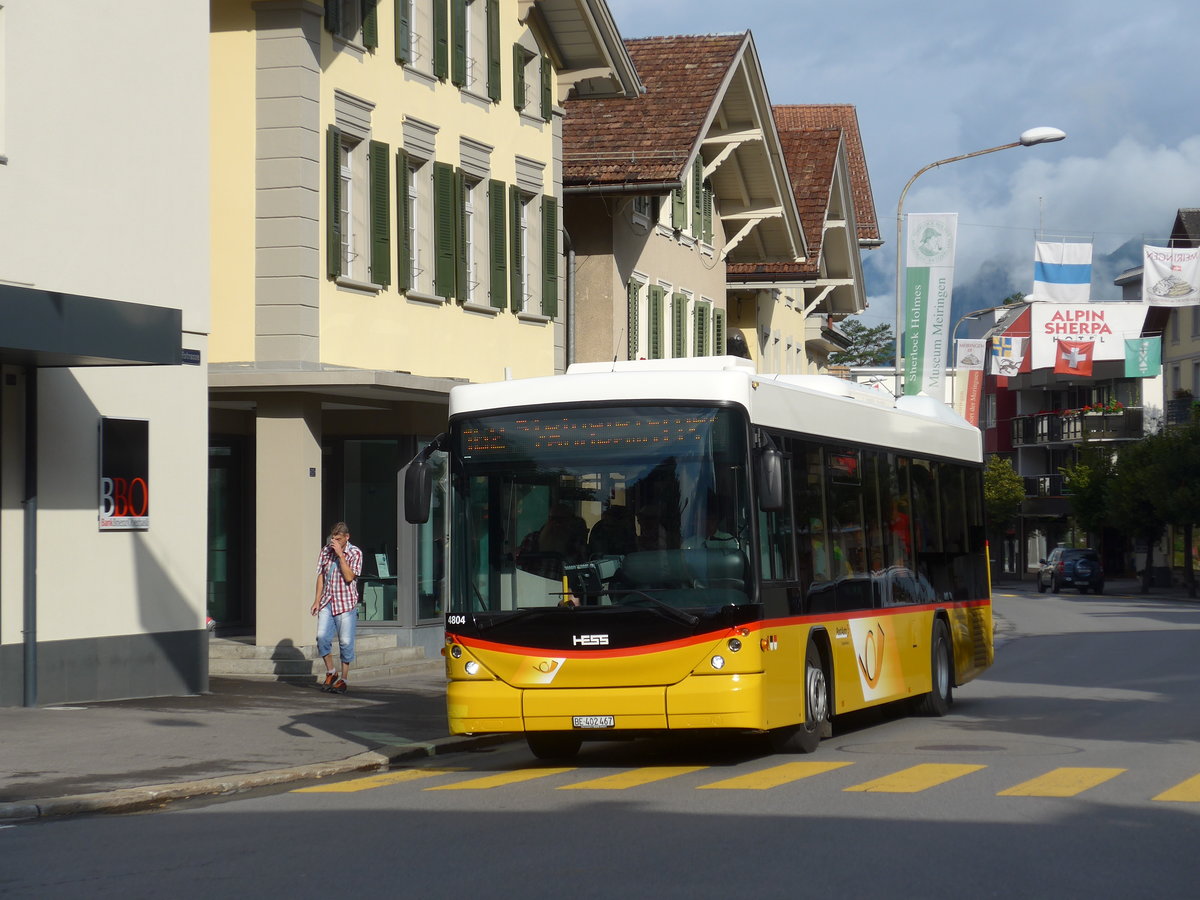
[386, 221]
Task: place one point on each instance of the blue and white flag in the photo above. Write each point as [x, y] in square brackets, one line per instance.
[1062, 272]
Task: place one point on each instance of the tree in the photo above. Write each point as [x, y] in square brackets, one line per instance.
[1018, 297]
[1087, 482]
[1131, 498]
[1003, 491]
[1176, 464]
[868, 346]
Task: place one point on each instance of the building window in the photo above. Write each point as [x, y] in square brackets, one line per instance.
[420, 225]
[358, 209]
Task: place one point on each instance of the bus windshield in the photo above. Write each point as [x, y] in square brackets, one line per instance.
[614, 506]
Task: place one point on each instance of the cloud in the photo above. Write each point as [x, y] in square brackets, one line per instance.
[1131, 193]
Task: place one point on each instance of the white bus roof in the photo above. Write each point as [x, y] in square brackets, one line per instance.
[817, 405]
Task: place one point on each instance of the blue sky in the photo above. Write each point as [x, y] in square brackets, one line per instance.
[944, 77]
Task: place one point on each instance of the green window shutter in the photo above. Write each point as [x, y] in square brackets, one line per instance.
[703, 310]
[458, 42]
[381, 209]
[370, 25]
[403, 32]
[519, 77]
[333, 16]
[403, 250]
[461, 272]
[698, 197]
[656, 321]
[441, 39]
[443, 230]
[632, 292]
[516, 286]
[719, 332]
[708, 213]
[549, 256]
[333, 202]
[493, 50]
[547, 89]
[678, 324]
[678, 208]
[498, 276]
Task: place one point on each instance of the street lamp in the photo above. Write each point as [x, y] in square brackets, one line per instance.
[1042, 135]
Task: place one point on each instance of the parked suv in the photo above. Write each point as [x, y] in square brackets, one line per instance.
[1073, 568]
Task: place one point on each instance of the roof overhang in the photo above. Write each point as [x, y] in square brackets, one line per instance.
[51, 329]
[586, 47]
[744, 162]
[364, 388]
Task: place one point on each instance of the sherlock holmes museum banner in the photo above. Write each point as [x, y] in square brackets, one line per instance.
[930, 264]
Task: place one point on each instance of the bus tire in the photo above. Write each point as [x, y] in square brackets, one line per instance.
[941, 667]
[553, 744]
[805, 737]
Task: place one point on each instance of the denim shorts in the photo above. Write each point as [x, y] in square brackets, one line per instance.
[345, 624]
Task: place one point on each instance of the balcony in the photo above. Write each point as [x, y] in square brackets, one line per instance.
[1045, 486]
[1180, 411]
[1075, 426]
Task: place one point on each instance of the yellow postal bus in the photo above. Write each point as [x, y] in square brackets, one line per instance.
[659, 546]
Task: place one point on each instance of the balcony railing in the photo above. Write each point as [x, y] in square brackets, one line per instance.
[1045, 486]
[1075, 426]
[1180, 410]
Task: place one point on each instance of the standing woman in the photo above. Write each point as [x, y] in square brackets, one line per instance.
[338, 567]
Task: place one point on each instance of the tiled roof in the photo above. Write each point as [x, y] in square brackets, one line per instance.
[810, 156]
[648, 139]
[843, 116]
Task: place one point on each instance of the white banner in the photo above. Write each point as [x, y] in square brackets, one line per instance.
[929, 281]
[1108, 324]
[971, 355]
[1171, 276]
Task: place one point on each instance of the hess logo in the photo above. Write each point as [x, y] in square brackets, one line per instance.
[589, 640]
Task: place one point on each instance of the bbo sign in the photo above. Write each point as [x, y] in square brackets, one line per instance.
[124, 474]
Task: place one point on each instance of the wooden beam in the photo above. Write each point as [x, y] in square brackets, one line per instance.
[737, 238]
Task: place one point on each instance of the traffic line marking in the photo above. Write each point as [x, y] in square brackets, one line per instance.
[774, 776]
[632, 778]
[500, 780]
[1062, 782]
[372, 781]
[916, 778]
[1184, 792]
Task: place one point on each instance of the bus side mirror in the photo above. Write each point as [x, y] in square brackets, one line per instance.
[770, 479]
[418, 491]
[418, 483]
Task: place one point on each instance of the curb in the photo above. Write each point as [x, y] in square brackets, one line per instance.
[140, 798]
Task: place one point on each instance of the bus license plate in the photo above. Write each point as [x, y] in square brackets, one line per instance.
[593, 721]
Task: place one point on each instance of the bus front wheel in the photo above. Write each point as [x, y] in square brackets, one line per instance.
[553, 744]
[805, 737]
[937, 701]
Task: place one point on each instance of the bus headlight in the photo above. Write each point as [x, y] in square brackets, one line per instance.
[718, 662]
[734, 645]
[471, 667]
[456, 651]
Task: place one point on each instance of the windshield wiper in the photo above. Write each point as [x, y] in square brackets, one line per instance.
[677, 614]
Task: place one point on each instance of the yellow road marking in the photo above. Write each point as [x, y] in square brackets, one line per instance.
[1064, 782]
[632, 778]
[372, 781]
[774, 776]
[500, 780]
[1184, 792]
[917, 778]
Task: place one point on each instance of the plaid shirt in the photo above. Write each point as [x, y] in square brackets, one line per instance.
[340, 596]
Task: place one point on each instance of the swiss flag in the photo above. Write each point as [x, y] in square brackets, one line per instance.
[1074, 357]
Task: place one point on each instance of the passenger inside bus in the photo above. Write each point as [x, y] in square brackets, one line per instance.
[614, 534]
[562, 540]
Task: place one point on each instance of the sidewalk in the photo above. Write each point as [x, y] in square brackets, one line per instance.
[100, 757]
[130, 754]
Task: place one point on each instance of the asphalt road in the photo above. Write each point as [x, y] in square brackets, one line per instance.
[1070, 770]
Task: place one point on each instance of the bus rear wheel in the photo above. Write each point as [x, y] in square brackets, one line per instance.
[805, 737]
[553, 744]
[941, 667]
